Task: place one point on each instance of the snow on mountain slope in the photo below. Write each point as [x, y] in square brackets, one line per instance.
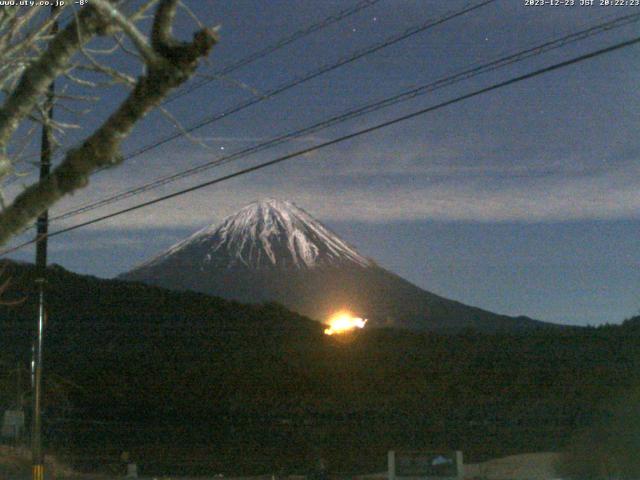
[265, 234]
[272, 250]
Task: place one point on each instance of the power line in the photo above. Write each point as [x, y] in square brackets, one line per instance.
[450, 15]
[341, 139]
[354, 113]
[430, 23]
[409, 32]
[313, 74]
[330, 20]
[281, 43]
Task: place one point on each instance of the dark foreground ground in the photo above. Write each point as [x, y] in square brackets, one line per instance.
[194, 385]
[15, 465]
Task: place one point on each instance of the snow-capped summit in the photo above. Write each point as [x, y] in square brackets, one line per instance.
[265, 234]
[273, 251]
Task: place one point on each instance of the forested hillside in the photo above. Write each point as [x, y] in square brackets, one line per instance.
[191, 380]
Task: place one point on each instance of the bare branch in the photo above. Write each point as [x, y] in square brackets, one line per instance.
[112, 13]
[21, 146]
[161, 38]
[80, 81]
[38, 76]
[103, 51]
[176, 123]
[127, 50]
[113, 73]
[178, 62]
[16, 24]
[141, 13]
[75, 98]
[41, 33]
[3, 288]
[233, 81]
[193, 16]
[74, 111]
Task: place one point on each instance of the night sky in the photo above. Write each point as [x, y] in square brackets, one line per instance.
[522, 201]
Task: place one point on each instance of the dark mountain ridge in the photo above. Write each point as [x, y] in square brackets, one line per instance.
[238, 384]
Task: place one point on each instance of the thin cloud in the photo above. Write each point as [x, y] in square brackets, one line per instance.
[603, 195]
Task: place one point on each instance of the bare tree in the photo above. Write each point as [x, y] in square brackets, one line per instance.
[31, 58]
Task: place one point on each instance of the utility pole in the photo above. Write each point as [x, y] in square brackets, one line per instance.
[41, 271]
[19, 387]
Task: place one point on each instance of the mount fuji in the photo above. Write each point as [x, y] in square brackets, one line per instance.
[272, 250]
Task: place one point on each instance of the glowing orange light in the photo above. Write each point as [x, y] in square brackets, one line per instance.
[343, 322]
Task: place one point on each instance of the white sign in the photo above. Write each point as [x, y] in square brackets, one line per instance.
[425, 465]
